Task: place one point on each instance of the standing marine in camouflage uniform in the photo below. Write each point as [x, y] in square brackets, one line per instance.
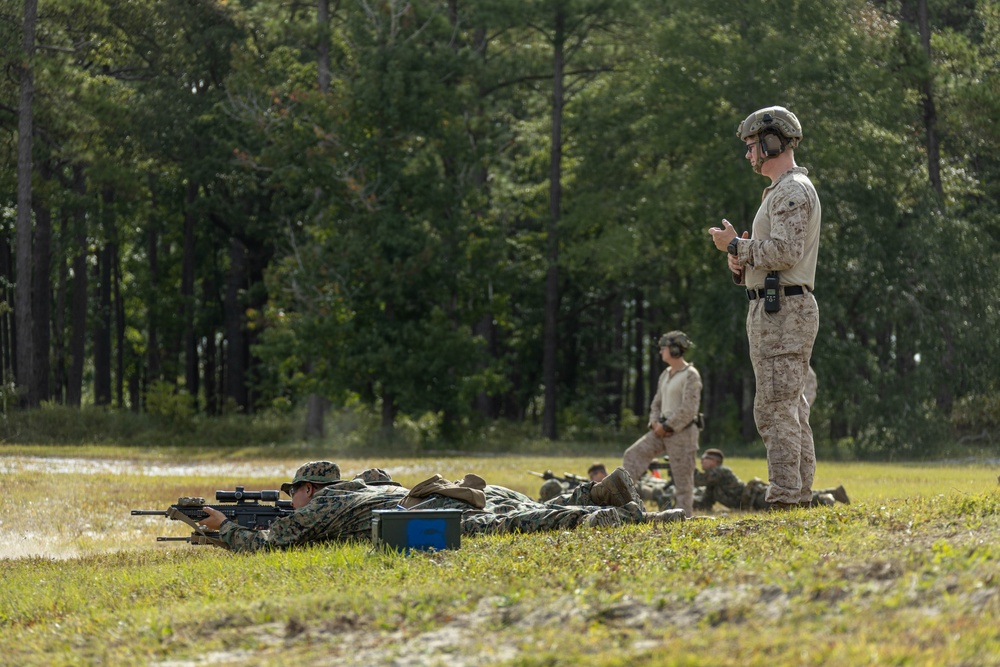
[672, 421]
[721, 485]
[330, 509]
[777, 265]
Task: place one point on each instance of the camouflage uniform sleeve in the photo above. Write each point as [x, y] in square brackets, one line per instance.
[789, 209]
[708, 478]
[709, 481]
[297, 528]
[691, 401]
[730, 488]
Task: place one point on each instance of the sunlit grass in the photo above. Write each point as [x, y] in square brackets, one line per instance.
[906, 574]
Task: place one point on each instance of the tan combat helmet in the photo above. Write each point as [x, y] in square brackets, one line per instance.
[771, 121]
[677, 341]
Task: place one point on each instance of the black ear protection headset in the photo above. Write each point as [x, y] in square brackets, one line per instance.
[771, 141]
[675, 342]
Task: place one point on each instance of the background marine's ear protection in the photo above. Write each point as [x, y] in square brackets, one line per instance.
[676, 341]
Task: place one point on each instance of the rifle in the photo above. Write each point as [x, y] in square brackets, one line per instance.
[662, 465]
[568, 477]
[245, 508]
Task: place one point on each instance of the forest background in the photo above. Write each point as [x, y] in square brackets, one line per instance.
[441, 218]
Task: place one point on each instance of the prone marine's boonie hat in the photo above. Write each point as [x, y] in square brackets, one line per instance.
[317, 472]
[374, 476]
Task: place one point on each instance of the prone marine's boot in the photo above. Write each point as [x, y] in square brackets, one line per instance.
[665, 516]
[606, 517]
[825, 499]
[840, 495]
[615, 490]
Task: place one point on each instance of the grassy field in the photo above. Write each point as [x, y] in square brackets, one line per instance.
[908, 574]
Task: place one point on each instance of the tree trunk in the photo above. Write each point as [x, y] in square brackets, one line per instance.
[60, 375]
[78, 306]
[6, 314]
[24, 355]
[316, 407]
[639, 402]
[41, 297]
[187, 293]
[487, 406]
[608, 348]
[102, 333]
[323, 45]
[152, 257]
[236, 356]
[550, 344]
[945, 397]
[930, 112]
[389, 411]
[119, 311]
[210, 374]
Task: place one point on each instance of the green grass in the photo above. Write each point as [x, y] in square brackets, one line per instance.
[908, 574]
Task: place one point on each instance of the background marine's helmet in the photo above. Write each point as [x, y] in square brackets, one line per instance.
[550, 489]
[677, 341]
[771, 121]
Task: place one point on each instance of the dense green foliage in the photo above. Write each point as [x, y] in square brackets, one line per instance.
[248, 205]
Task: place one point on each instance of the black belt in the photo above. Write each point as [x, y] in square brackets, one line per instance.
[790, 290]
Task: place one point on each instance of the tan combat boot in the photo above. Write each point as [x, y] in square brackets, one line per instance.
[606, 517]
[615, 490]
[825, 499]
[666, 516]
[840, 495]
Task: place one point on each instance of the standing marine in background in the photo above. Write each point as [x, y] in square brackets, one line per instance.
[776, 263]
[672, 421]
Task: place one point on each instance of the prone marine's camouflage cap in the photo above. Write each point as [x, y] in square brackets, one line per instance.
[318, 472]
[373, 475]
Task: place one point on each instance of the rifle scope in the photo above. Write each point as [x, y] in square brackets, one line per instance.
[239, 495]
